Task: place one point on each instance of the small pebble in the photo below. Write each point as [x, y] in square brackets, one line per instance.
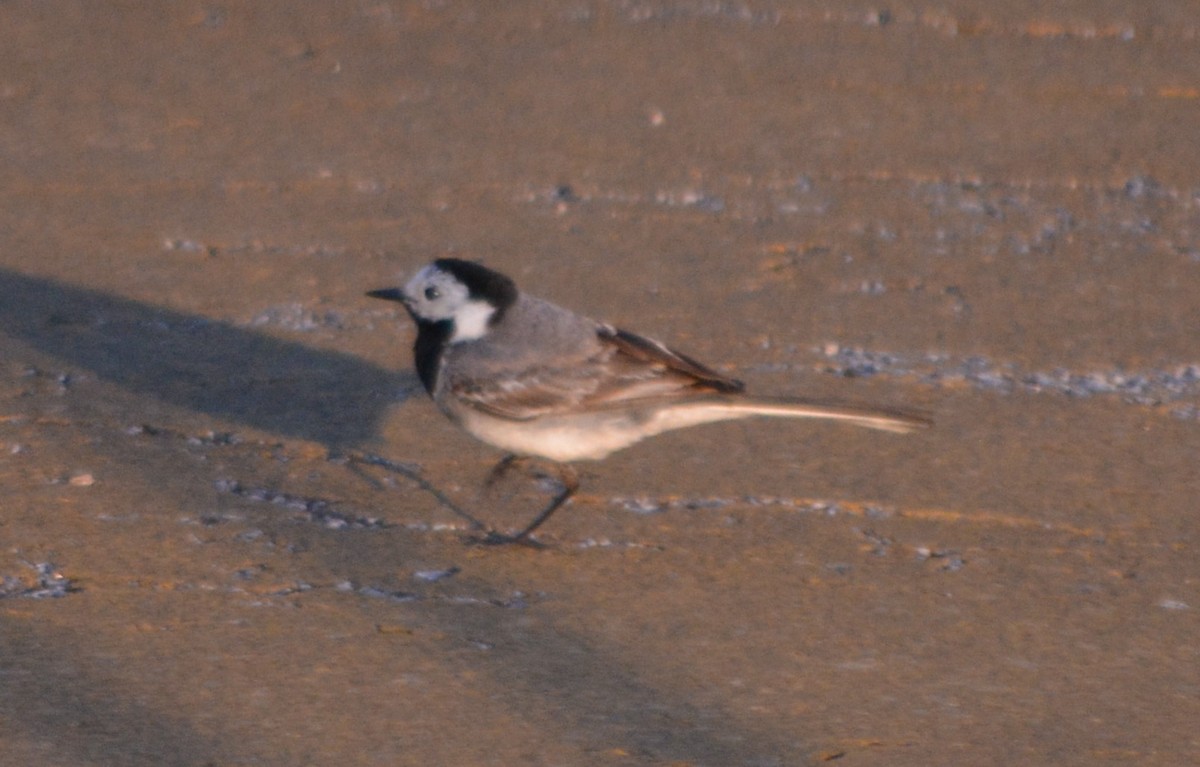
[432, 576]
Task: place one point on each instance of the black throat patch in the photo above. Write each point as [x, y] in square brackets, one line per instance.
[432, 338]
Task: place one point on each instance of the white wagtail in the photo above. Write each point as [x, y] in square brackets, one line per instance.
[537, 380]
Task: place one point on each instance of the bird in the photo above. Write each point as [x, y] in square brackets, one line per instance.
[539, 381]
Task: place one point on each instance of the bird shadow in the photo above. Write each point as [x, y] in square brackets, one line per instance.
[204, 365]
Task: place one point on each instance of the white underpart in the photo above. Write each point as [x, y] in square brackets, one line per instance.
[471, 321]
[595, 434]
[589, 436]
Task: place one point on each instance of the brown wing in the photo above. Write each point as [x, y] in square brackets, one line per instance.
[626, 368]
[653, 353]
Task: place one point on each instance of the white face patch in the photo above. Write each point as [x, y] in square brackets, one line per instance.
[435, 295]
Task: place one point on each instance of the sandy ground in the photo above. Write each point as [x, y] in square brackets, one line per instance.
[988, 210]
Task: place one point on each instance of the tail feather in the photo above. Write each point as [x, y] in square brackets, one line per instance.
[884, 419]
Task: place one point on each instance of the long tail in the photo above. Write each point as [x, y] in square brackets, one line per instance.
[884, 419]
[721, 407]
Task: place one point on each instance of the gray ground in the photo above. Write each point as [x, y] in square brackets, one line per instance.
[984, 209]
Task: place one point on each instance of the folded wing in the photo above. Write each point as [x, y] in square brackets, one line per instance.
[624, 369]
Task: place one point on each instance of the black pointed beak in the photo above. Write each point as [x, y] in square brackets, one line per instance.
[388, 294]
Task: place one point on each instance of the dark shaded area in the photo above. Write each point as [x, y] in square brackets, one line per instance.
[592, 694]
[210, 367]
[66, 705]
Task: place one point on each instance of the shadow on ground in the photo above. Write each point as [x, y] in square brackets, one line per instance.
[210, 367]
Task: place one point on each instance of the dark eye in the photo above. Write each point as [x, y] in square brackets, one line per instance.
[432, 294]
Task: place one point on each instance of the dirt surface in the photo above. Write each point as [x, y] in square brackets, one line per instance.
[987, 210]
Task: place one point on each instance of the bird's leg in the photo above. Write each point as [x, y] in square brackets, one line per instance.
[500, 469]
[567, 478]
